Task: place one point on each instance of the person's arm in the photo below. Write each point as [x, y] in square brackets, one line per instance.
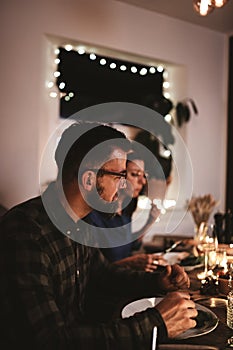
[142, 262]
[35, 316]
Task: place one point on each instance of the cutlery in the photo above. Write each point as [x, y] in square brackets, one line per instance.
[173, 246]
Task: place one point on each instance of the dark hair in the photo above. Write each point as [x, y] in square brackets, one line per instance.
[135, 153]
[81, 138]
[152, 143]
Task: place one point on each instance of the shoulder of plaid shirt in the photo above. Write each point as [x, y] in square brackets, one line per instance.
[44, 300]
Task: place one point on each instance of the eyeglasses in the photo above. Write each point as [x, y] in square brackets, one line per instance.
[121, 175]
[139, 174]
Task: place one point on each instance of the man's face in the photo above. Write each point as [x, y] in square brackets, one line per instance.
[109, 184]
[104, 196]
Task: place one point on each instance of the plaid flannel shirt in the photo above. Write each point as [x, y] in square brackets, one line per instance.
[48, 281]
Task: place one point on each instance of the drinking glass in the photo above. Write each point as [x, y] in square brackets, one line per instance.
[207, 244]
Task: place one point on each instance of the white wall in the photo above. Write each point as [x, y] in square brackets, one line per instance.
[28, 115]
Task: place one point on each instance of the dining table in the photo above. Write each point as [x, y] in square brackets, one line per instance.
[214, 301]
[217, 303]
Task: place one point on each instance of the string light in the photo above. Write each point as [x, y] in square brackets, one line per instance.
[81, 50]
[92, 56]
[53, 94]
[102, 61]
[68, 47]
[160, 69]
[133, 69]
[112, 65]
[167, 95]
[166, 84]
[143, 71]
[152, 70]
[123, 67]
[62, 85]
[50, 84]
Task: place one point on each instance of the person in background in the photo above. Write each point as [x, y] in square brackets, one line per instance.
[160, 176]
[51, 273]
[127, 255]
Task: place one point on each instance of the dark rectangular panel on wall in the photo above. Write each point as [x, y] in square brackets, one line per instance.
[229, 187]
[88, 82]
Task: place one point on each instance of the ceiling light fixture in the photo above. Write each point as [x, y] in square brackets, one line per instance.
[204, 7]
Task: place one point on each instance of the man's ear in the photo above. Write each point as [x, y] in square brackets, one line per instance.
[88, 180]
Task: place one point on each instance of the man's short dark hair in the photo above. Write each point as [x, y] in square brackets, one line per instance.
[82, 137]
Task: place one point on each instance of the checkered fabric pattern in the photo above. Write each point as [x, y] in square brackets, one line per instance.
[48, 281]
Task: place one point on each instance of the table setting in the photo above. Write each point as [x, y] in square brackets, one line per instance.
[212, 330]
[208, 260]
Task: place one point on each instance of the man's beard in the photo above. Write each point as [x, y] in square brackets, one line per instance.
[97, 203]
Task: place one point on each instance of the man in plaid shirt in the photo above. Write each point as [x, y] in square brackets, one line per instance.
[52, 272]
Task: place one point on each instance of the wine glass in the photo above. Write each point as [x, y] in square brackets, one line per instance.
[207, 243]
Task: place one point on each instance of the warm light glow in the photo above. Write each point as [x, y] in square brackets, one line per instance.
[62, 85]
[167, 95]
[158, 203]
[203, 7]
[168, 118]
[50, 84]
[134, 69]
[71, 94]
[53, 94]
[165, 74]
[68, 47]
[81, 50]
[166, 153]
[166, 84]
[160, 69]
[57, 61]
[56, 74]
[220, 3]
[112, 65]
[92, 56]
[152, 70]
[143, 71]
[144, 202]
[103, 61]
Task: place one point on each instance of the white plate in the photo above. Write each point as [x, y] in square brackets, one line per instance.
[142, 304]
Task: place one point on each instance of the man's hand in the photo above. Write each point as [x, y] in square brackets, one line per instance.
[174, 277]
[142, 262]
[177, 311]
